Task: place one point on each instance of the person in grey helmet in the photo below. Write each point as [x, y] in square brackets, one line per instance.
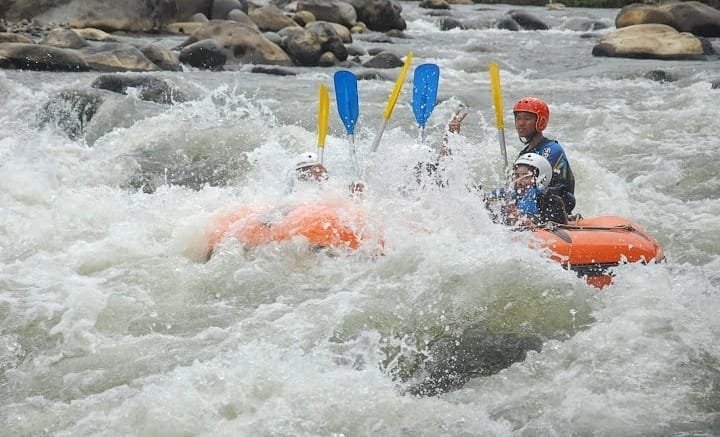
[530, 203]
[309, 169]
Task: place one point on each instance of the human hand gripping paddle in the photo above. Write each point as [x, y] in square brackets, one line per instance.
[323, 109]
[425, 87]
[390, 106]
[497, 103]
[346, 96]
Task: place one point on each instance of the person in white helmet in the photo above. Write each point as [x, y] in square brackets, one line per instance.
[309, 169]
[530, 201]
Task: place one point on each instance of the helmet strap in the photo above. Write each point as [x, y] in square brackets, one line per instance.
[528, 140]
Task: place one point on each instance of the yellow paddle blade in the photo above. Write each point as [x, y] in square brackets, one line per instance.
[323, 115]
[398, 86]
[496, 94]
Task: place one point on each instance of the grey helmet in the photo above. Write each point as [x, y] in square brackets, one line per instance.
[539, 162]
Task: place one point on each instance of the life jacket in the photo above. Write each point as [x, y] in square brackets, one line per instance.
[563, 179]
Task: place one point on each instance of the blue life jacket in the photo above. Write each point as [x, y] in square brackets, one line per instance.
[563, 179]
[527, 203]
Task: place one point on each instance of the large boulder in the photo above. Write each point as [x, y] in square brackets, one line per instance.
[71, 110]
[329, 10]
[384, 60]
[207, 54]
[638, 13]
[243, 44]
[149, 88]
[241, 17]
[379, 15]
[694, 17]
[527, 20]
[110, 15]
[303, 46]
[307, 47]
[40, 57]
[64, 38]
[15, 37]
[271, 19]
[121, 57]
[162, 57]
[221, 8]
[652, 41]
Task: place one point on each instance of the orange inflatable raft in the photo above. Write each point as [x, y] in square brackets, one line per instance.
[335, 225]
[592, 246]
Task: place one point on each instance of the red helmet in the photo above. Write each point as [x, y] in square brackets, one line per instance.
[534, 106]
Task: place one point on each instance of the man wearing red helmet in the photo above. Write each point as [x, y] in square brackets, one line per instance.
[531, 118]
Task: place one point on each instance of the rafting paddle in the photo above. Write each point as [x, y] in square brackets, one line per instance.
[323, 109]
[346, 95]
[425, 87]
[497, 103]
[390, 106]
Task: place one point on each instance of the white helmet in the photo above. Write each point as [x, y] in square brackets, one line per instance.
[306, 160]
[539, 162]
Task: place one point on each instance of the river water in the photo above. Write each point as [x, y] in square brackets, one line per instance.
[112, 324]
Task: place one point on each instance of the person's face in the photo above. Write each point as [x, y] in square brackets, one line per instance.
[525, 123]
[315, 172]
[523, 178]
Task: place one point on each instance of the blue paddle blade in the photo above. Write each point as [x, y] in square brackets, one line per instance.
[425, 87]
[346, 94]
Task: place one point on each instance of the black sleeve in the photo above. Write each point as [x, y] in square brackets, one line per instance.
[552, 209]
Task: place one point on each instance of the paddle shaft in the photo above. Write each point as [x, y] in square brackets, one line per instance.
[497, 103]
[390, 106]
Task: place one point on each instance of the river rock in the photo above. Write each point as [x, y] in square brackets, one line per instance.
[694, 17]
[64, 38]
[241, 17]
[270, 18]
[72, 110]
[111, 15]
[275, 71]
[187, 9]
[330, 31]
[202, 18]
[527, 20]
[637, 13]
[329, 10]
[40, 57]
[123, 57]
[447, 23]
[149, 88]
[328, 59]
[15, 37]
[305, 47]
[651, 41]
[434, 4]
[379, 15]
[206, 54]
[221, 8]
[184, 28]
[507, 23]
[243, 44]
[91, 34]
[384, 60]
[303, 18]
[341, 31]
[454, 360]
[578, 24]
[162, 57]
